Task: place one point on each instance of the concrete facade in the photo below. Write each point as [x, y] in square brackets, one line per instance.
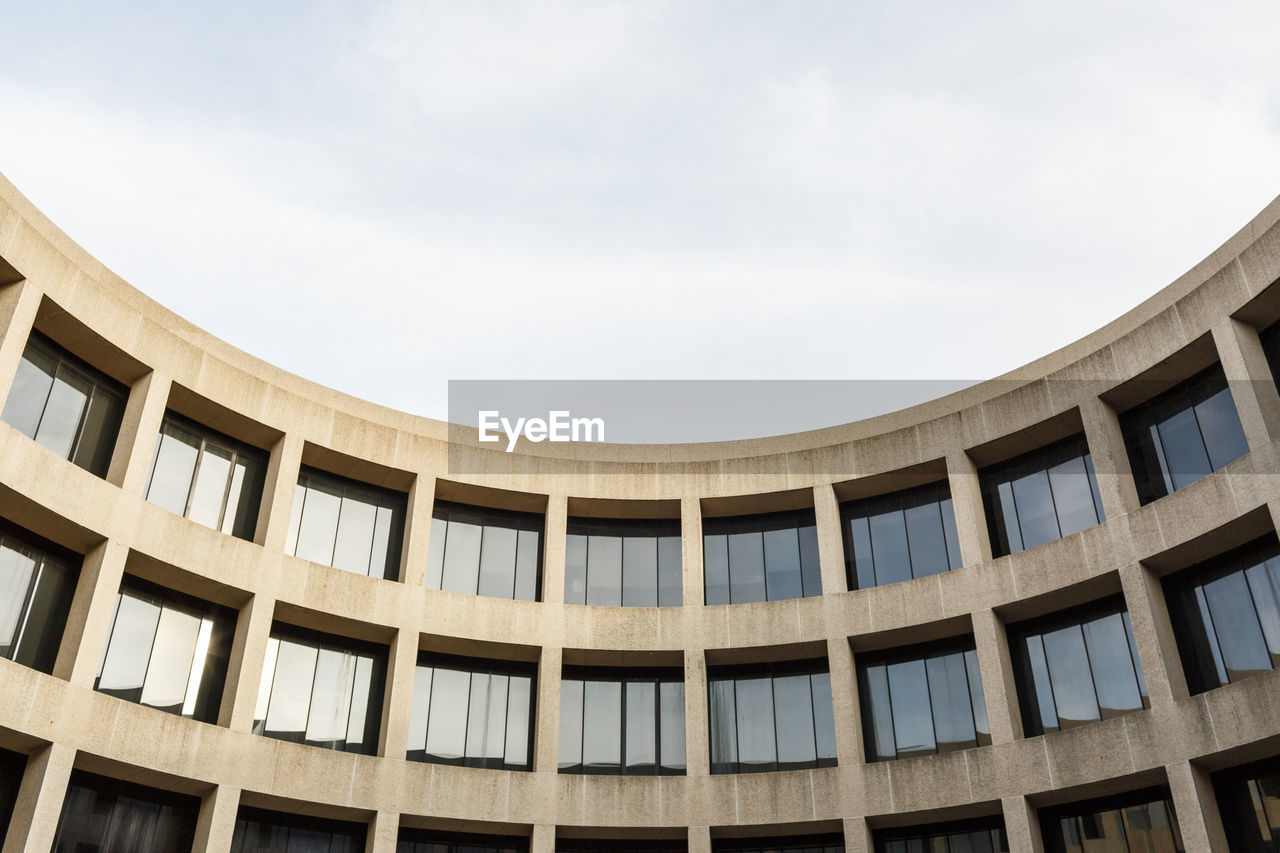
[1212, 313]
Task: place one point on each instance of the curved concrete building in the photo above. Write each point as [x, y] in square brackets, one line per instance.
[241, 611]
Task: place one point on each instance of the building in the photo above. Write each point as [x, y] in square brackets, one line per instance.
[241, 611]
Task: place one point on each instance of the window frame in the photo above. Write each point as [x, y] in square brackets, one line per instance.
[378, 497]
[938, 493]
[69, 564]
[449, 512]
[623, 528]
[762, 523]
[656, 676]
[1051, 817]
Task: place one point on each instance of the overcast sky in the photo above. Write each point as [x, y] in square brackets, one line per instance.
[382, 196]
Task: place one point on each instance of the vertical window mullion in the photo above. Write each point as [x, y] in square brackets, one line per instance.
[622, 722]
[226, 487]
[195, 475]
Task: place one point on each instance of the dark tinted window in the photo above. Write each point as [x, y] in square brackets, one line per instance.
[321, 690]
[1226, 615]
[37, 583]
[897, 537]
[1076, 667]
[482, 551]
[1183, 434]
[1141, 822]
[620, 845]
[65, 405]
[622, 722]
[771, 717]
[922, 700]
[433, 841]
[347, 525]
[761, 557]
[12, 766]
[206, 476]
[827, 843]
[623, 563]
[167, 650]
[1249, 800]
[258, 830]
[472, 712]
[1041, 496]
[101, 815]
[984, 835]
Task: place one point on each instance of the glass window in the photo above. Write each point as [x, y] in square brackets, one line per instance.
[622, 722]
[167, 650]
[1226, 615]
[1249, 800]
[1076, 667]
[761, 557]
[321, 690]
[12, 767]
[109, 816]
[1139, 822]
[258, 829]
[829, 843]
[922, 700]
[472, 712]
[982, 835]
[482, 551]
[65, 405]
[623, 562]
[1183, 434]
[37, 583]
[771, 717]
[436, 841]
[897, 537]
[347, 525]
[620, 845]
[1041, 496]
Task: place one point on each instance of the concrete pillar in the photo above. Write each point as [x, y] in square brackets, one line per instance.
[826, 510]
[697, 739]
[971, 517]
[1110, 458]
[555, 544]
[92, 608]
[1249, 376]
[1021, 826]
[417, 533]
[397, 703]
[1153, 635]
[1197, 808]
[139, 426]
[543, 838]
[998, 685]
[691, 552]
[283, 468]
[39, 804]
[244, 670]
[857, 836]
[699, 839]
[850, 747]
[216, 823]
[18, 306]
[384, 832]
[546, 741]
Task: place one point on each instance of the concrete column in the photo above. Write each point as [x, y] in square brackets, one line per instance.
[39, 803]
[139, 426]
[691, 552]
[283, 467]
[826, 510]
[966, 499]
[244, 670]
[1197, 806]
[1153, 634]
[1110, 458]
[18, 306]
[850, 748]
[546, 741]
[92, 608]
[697, 740]
[397, 703]
[699, 839]
[1249, 377]
[998, 686]
[1021, 826]
[555, 543]
[857, 836]
[543, 838]
[417, 533]
[384, 832]
[216, 823]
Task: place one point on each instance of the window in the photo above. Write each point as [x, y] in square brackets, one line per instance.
[1077, 667]
[207, 477]
[620, 845]
[321, 690]
[257, 830]
[623, 563]
[1226, 615]
[828, 843]
[1141, 822]
[65, 405]
[37, 584]
[472, 712]
[901, 536]
[12, 767]
[922, 700]
[347, 525]
[101, 815]
[761, 557]
[485, 552]
[167, 650]
[622, 722]
[984, 835]
[771, 717]
[1041, 496]
[1183, 434]
[433, 841]
[1249, 800]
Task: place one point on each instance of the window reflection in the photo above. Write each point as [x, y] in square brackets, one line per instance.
[983, 835]
[761, 557]
[620, 721]
[259, 829]
[623, 563]
[1249, 799]
[482, 551]
[1140, 822]
[437, 841]
[347, 525]
[755, 724]
[620, 845]
[110, 816]
[826, 843]
[897, 537]
[37, 583]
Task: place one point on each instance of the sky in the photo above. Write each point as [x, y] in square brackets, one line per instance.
[385, 196]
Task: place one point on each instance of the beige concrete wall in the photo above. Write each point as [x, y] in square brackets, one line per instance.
[63, 723]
